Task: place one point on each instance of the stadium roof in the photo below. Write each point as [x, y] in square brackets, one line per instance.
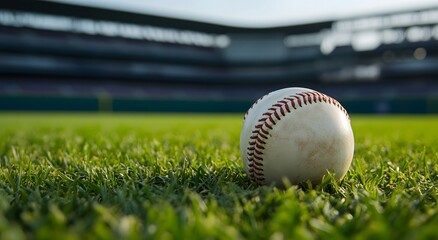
[258, 13]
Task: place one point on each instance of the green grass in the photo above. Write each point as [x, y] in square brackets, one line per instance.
[98, 176]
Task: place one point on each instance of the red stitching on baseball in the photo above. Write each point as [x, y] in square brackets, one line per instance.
[282, 111]
[260, 179]
[303, 95]
[276, 115]
[292, 102]
[287, 106]
[319, 96]
[258, 158]
[258, 168]
[263, 135]
[258, 163]
[268, 125]
[260, 141]
[314, 96]
[310, 100]
[259, 146]
[257, 140]
[298, 100]
[304, 98]
[264, 131]
[283, 101]
[261, 132]
[271, 119]
[262, 119]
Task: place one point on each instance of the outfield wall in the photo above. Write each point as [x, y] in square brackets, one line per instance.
[413, 105]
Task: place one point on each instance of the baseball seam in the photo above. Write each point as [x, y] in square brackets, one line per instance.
[270, 118]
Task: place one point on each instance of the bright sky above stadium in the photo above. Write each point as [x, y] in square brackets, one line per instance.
[258, 13]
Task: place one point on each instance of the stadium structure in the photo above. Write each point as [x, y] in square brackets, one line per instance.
[56, 56]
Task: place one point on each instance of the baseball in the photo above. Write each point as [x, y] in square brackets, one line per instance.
[296, 134]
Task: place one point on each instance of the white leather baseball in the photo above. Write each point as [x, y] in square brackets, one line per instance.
[298, 134]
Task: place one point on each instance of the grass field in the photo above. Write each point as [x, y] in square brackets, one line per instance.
[102, 176]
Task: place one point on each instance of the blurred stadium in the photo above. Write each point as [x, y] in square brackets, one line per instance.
[58, 56]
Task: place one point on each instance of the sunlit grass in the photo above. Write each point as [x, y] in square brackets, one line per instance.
[73, 176]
